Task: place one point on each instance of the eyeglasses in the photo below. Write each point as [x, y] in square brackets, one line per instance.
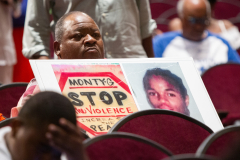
[203, 21]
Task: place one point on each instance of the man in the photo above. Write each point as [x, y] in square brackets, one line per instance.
[44, 129]
[205, 48]
[222, 27]
[77, 37]
[126, 26]
[165, 90]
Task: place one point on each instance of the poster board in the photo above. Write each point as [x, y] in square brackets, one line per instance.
[103, 91]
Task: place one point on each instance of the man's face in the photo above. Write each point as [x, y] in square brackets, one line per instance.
[163, 95]
[31, 144]
[81, 39]
[194, 21]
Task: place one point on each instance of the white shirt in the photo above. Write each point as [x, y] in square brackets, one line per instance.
[123, 24]
[4, 153]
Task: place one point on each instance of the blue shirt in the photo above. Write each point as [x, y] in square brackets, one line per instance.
[210, 51]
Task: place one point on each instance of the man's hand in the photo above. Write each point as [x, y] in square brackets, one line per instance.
[67, 138]
[43, 57]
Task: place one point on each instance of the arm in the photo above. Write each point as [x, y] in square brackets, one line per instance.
[175, 25]
[147, 25]
[68, 139]
[147, 45]
[36, 37]
[233, 55]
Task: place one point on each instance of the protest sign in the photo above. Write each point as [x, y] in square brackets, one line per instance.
[104, 91]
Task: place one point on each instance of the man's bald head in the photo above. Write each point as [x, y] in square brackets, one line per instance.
[78, 37]
[194, 15]
[193, 5]
[60, 26]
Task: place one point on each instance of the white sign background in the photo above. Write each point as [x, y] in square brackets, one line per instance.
[46, 79]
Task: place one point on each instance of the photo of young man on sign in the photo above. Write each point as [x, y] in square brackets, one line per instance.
[161, 86]
[99, 93]
[165, 90]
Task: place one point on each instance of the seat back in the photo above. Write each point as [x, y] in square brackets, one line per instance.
[162, 12]
[222, 83]
[190, 157]
[10, 95]
[6, 122]
[124, 146]
[221, 143]
[177, 132]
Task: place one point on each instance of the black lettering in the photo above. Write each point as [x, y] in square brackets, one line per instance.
[101, 128]
[95, 81]
[73, 82]
[119, 97]
[88, 82]
[93, 127]
[80, 82]
[110, 82]
[74, 96]
[108, 127]
[103, 94]
[103, 81]
[89, 96]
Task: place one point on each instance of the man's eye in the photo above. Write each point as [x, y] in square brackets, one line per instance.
[152, 93]
[78, 36]
[171, 95]
[96, 35]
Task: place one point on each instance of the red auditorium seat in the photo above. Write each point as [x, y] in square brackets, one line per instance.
[163, 11]
[10, 95]
[124, 146]
[6, 122]
[190, 157]
[222, 83]
[177, 132]
[221, 143]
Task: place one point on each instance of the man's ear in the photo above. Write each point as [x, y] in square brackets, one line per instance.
[187, 100]
[16, 124]
[57, 50]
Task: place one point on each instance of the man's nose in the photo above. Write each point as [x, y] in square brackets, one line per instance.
[162, 99]
[89, 39]
[200, 27]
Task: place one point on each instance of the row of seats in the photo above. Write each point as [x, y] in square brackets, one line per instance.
[157, 134]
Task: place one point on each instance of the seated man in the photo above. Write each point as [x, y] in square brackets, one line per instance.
[44, 129]
[77, 37]
[165, 90]
[195, 41]
[222, 27]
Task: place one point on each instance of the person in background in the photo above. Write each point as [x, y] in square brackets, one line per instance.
[126, 26]
[222, 27]
[195, 41]
[44, 129]
[7, 48]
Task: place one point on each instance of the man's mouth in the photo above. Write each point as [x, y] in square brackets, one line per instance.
[92, 49]
[165, 107]
[91, 53]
